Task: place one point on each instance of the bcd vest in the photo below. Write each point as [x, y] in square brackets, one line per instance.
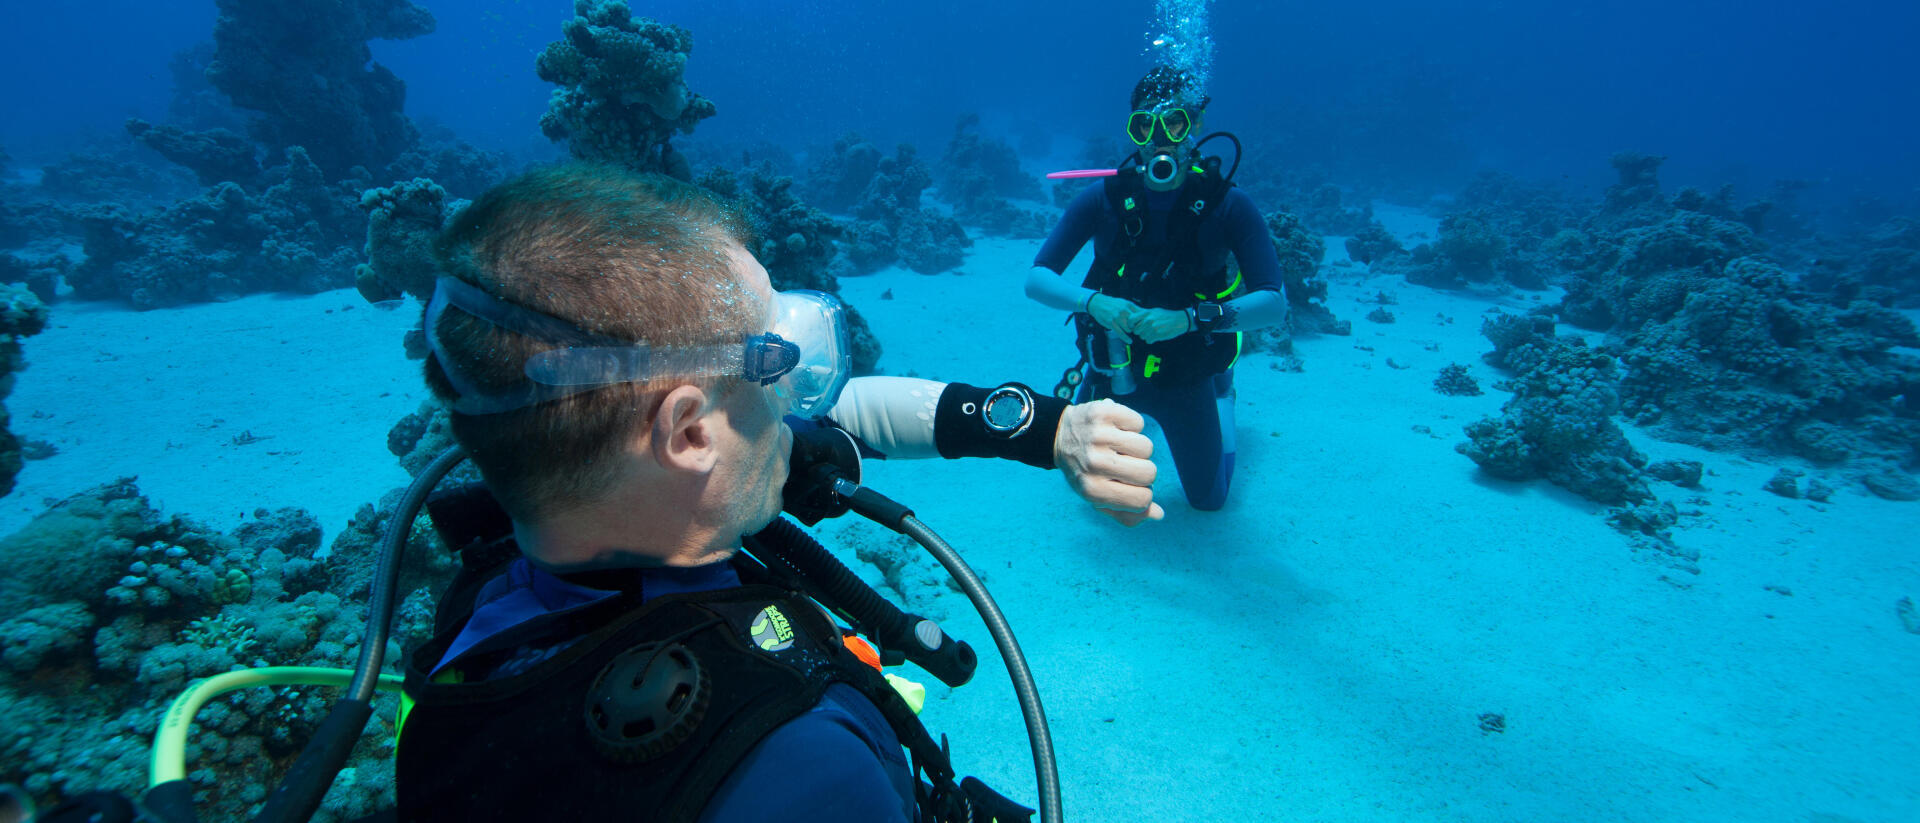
[642, 716]
[1162, 275]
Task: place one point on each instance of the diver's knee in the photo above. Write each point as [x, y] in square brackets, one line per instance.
[1210, 503]
[1214, 498]
[1210, 500]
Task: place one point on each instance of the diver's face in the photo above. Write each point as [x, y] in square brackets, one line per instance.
[1165, 128]
[758, 416]
[1168, 130]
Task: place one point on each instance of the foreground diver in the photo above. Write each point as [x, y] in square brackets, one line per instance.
[1159, 314]
[588, 335]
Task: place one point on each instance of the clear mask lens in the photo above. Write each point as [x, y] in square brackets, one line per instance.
[816, 323]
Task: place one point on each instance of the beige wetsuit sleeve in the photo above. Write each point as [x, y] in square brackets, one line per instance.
[892, 414]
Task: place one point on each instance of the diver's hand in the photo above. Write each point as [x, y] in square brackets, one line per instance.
[1100, 449]
[1114, 313]
[1155, 325]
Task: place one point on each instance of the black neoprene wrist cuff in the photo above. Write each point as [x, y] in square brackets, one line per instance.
[960, 431]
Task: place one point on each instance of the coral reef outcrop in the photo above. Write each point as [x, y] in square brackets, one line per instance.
[1300, 250]
[1717, 345]
[979, 174]
[111, 607]
[1454, 381]
[1472, 251]
[215, 155]
[1726, 349]
[1279, 183]
[892, 226]
[1738, 360]
[402, 222]
[1559, 424]
[623, 93]
[839, 174]
[1373, 242]
[1882, 265]
[22, 315]
[299, 234]
[307, 69]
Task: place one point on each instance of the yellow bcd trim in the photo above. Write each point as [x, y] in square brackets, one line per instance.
[1237, 275]
[406, 703]
[914, 693]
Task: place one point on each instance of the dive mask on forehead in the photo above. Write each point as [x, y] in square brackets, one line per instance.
[805, 354]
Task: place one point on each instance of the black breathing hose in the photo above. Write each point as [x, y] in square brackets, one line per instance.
[386, 577]
[789, 549]
[878, 508]
[1237, 151]
[299, 793]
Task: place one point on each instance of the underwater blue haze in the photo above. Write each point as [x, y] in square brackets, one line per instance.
[1574, 436]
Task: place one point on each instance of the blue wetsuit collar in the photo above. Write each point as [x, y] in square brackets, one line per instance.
[526, 592]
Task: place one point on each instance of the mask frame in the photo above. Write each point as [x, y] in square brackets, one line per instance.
[806, 353]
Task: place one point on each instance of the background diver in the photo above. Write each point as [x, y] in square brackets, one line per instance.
[1160, 312]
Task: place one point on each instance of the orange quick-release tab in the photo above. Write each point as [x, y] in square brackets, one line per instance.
[861, 649]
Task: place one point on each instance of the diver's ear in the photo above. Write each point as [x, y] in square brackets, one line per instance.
[683, 431]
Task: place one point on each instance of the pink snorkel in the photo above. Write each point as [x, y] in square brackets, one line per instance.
[1079, 173]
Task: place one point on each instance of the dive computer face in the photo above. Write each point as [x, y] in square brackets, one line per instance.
[1007, 411]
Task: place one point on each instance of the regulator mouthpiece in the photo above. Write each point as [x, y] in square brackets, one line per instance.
[821, 459]
[1162, 169]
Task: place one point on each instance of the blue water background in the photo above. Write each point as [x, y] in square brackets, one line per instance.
[1418, 93]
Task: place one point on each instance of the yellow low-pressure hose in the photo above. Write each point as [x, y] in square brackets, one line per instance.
[170, 743]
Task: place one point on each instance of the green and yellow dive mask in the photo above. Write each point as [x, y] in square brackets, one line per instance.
[1175, 124]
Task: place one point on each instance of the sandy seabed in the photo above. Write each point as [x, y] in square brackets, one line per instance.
[1325, 648]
